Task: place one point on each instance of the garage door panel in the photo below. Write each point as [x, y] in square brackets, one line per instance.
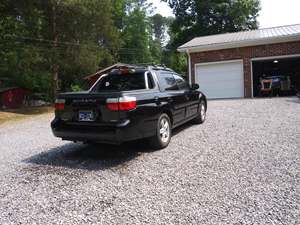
[221, 70]
[218, 94]
[221, 80]
[224, 88]
[231, 76]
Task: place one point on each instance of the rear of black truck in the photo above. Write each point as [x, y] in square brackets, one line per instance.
[107, 113]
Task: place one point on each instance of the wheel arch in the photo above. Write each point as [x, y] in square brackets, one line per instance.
[169, 113]
[203, 98]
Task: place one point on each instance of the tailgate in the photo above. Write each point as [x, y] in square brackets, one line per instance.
[87, 108]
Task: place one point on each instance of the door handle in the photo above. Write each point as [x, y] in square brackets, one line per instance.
[156, 100]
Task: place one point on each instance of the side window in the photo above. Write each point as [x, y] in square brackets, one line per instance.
[167, 81]
[150, 81]
[181, 83]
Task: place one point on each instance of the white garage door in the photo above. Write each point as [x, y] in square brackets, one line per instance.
[221, 80]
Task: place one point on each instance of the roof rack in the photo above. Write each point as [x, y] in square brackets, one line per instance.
[153, 66]
[148, 66]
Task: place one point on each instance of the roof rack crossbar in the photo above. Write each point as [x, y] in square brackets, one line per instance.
[149, 66]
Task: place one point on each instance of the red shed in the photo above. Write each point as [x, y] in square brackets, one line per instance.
[13, 97]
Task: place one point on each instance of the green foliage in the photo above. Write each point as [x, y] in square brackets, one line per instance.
[35, 36]
[175, 60]
[75, 88]
[156, 51]
[159, 25]
[205, 17]
[135, 35]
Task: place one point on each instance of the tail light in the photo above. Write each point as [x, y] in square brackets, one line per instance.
[60, 104]
[121, 104]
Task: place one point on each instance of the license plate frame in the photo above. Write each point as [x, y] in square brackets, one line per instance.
[86, 116]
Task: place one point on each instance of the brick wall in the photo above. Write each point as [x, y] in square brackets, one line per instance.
[245, 53]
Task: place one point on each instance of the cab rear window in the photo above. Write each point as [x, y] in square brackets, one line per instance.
[121, 82]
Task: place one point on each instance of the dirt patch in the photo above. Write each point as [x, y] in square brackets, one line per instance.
[23, 113]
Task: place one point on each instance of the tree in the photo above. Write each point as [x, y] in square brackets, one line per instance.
[136, 34]
[205, 17]
[159, 27]
[21, 63]
[48, 40]
[158, 31]
[43, 43]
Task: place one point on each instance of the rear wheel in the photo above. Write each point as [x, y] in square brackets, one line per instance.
[202, 113]
[163, 133]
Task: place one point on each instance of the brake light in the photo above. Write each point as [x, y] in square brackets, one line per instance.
[112, 104]
[121, 104]
[60, 104]
[127, 103]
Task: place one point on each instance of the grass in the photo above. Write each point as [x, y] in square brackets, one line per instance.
[23, 113]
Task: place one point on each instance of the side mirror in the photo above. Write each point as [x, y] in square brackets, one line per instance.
[195, 86]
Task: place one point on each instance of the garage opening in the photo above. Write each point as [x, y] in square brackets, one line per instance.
[276, 77]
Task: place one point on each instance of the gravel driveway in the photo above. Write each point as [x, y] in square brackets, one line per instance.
[240, 167]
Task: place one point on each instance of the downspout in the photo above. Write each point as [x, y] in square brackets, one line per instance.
[190, 66]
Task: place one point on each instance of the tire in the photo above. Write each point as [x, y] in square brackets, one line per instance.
[202, 113]
[163, 133]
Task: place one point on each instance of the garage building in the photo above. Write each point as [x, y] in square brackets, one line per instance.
[233, 65]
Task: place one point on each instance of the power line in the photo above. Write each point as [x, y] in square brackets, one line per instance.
[51, 42]
[45, 49]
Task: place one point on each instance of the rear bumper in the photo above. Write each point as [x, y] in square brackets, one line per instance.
[113, 134]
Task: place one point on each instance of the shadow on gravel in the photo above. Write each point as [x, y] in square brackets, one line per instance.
[181, 128]
[95, 157]
[89, 157]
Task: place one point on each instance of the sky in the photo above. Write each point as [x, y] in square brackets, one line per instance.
[273, 12]
[162, 8]
[279, 12]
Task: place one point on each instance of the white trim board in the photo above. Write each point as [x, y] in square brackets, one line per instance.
[190, 67]
[275, 57]
[251, 73]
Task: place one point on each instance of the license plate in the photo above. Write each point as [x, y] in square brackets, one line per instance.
[86, 116]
